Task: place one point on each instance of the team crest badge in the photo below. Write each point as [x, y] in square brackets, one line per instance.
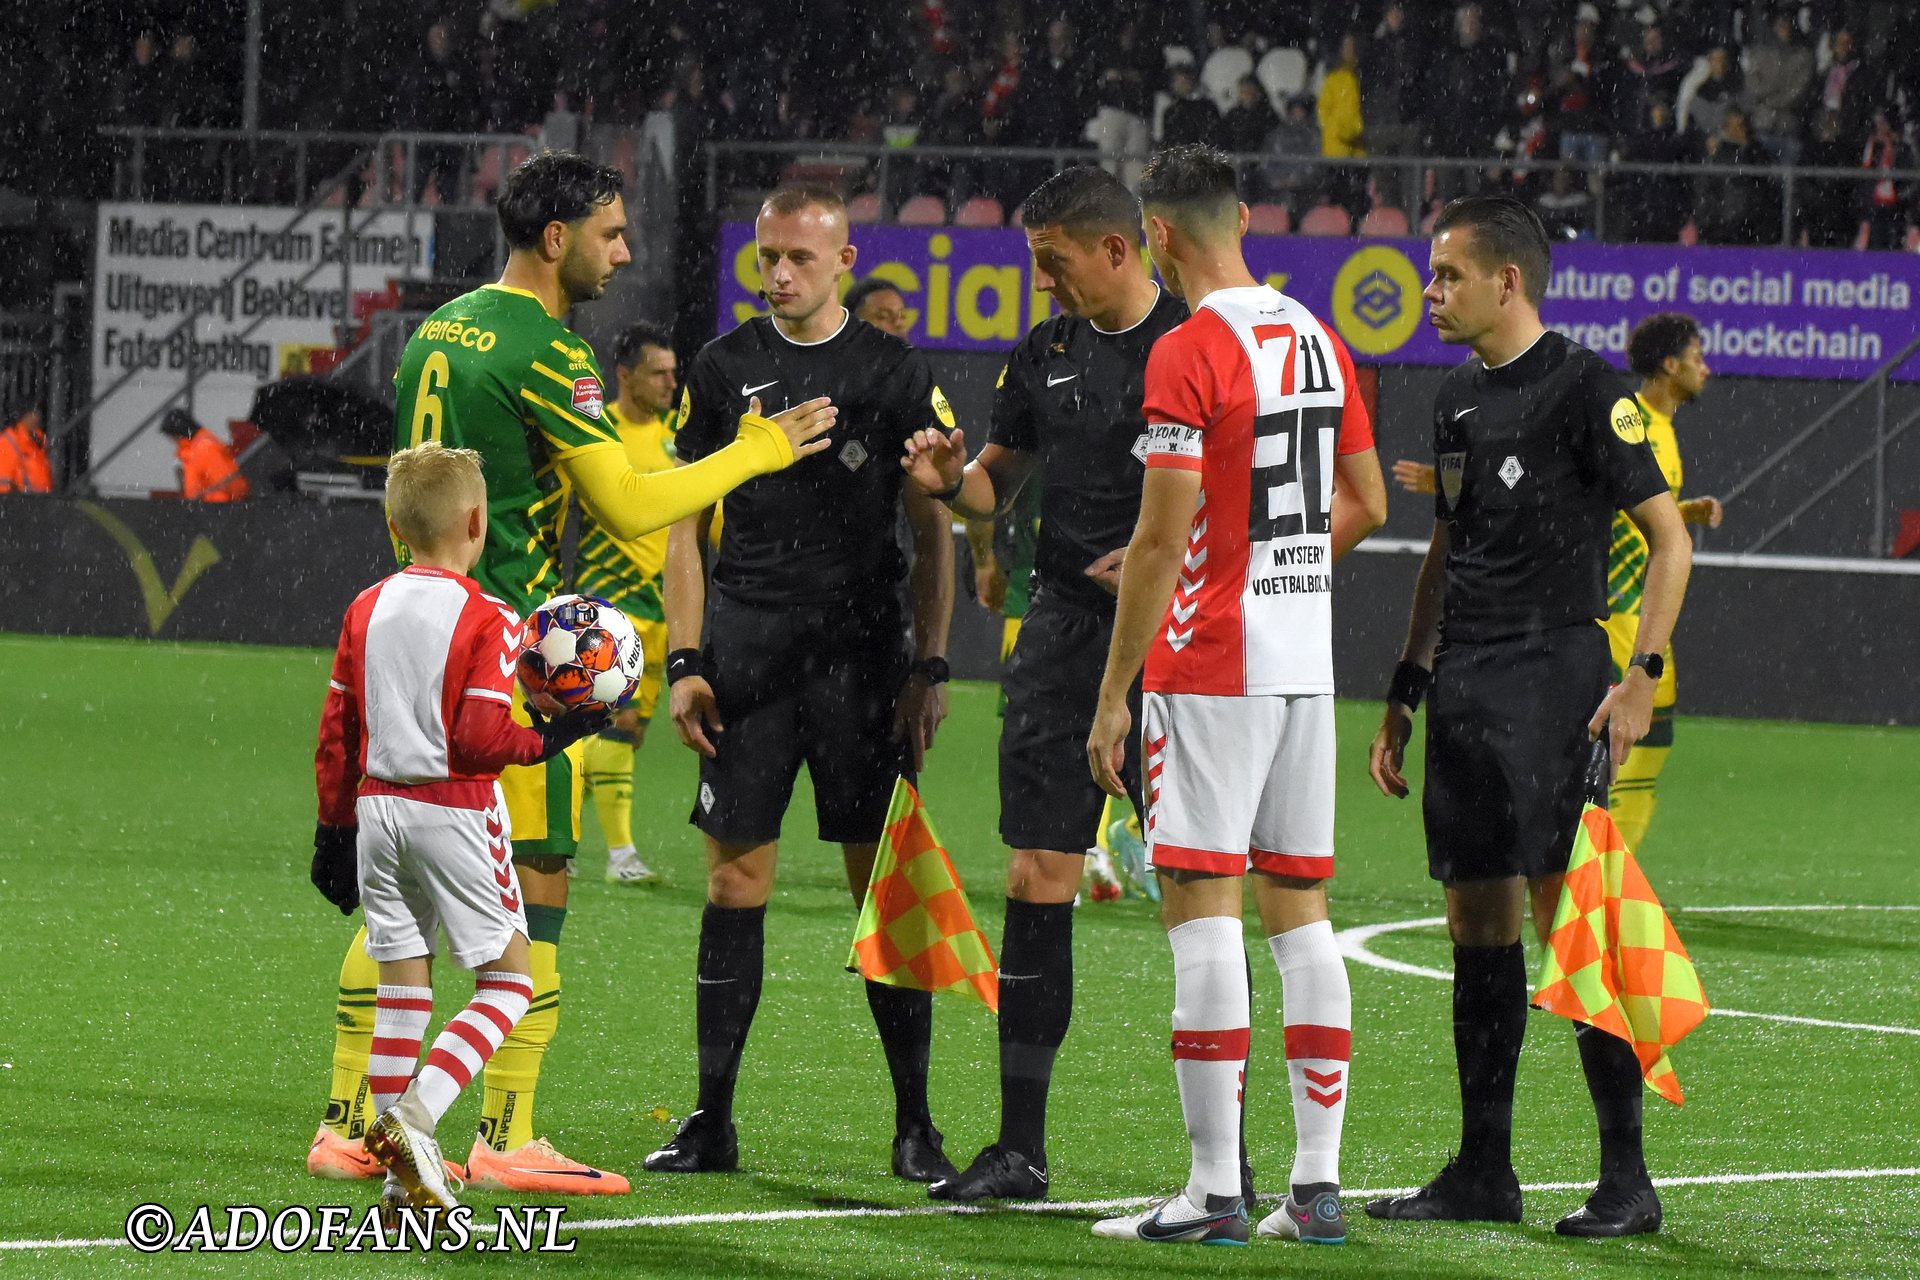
[706, 797]
[1511, 471]
[1452, 467]
[586, 396]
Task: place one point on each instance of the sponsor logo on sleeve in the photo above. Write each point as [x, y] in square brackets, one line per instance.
[1627, 421]
[1171, 438]
[586, 396]
[944, 411]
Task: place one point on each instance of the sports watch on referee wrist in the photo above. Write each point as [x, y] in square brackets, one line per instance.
[935, 670]
[1654, 664]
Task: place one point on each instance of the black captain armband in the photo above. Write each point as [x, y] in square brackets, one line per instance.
[1410, 681]
[682, 663]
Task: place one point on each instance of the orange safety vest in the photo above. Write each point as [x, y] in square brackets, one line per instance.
[208, 472]
[23, 461]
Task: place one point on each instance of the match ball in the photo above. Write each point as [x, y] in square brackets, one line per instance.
[580, 652]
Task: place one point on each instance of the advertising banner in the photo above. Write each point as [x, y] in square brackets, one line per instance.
[1776, 313]
[156, 264]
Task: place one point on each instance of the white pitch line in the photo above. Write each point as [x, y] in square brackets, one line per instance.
[1805, 906]
[751, 1216]
[1354, 942]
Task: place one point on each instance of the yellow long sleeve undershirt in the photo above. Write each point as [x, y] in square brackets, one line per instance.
[629, 503]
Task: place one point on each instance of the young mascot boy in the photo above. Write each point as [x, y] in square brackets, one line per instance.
[414, 734]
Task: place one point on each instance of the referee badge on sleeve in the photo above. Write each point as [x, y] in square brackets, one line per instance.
[1452, 467]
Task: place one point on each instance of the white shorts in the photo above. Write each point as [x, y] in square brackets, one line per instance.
[1239, 781]
[426, 867]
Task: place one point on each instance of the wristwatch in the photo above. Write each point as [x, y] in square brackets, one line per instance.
[934, 669]
[1653, 664]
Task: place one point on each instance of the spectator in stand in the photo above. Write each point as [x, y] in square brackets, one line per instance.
[1653, 206]
[1005, 84]
[1887, 201]
[952, 121]
[1779, 73]
[1828, 207]
[1119, 128]
[1722, 91]
[1292, 182]
[1470, 96]
[1566, 208]
[1653, 76]
[24, 467]
[1342, 130]
[900, 130]
[1737, 208]
[1850, 85]
[438, 97]
[1390, 72]
[140, 97]
[1578, 71]
[1052, 105]
[207, 468]
[1250, 120]
[1191, 116]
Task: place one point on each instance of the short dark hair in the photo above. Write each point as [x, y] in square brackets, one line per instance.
[1505, 231]
[641, 333]
[554, 186]
[1192, 179]
[866, 289]
[178, 423]
[1664, 335]
[795, 196]
[1083, 200]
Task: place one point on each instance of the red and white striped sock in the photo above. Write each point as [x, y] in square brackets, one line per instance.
[465, 1044]
[1319, 1015]
[400, 1018]
[1211, 1018]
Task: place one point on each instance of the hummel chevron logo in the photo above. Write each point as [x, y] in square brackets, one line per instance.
[1178, 640]
[1184, 615]
[1054, 382]
[1192, 587]
[746, 390]
[1461, 413]
[1195, 559]
[1327, 1094]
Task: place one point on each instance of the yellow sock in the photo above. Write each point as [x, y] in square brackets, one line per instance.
[506, 1100]
[1113, 809]
[1633, 799]
[352, 1038]
[609, 772]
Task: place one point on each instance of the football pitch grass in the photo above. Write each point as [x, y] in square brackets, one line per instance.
[167, 1033]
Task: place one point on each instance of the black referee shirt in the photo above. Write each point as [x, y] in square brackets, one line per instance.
[823, 530]
[1070, 397]
[1531, 460]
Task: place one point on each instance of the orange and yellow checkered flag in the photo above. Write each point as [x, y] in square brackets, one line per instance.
[916, 928]
[1614, 960]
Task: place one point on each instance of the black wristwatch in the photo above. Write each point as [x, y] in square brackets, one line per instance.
[1654, 664]
[934, 669]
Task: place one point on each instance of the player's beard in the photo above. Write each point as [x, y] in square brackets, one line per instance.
[580, 279]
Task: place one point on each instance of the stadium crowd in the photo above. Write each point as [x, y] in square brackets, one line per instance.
[1827, 84]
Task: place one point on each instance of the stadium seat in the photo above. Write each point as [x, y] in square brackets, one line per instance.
[487, 175]
[1384, 220]
[1269, 220]
[821, 173]
[1176, 55]
[864, 208]
[1283, 74]
[922, 211]
[1018, 218]
[1220, 77]
[1426, 223]
[1906, 538]
[1326, 220]
[980, 211]
[1690, 234]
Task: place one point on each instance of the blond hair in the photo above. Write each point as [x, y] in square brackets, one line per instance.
[429, 487]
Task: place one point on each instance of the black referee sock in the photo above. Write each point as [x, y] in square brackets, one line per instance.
[732, 944]
[1489, 1022]
[1036, 1004]
[905, 1022]
[1613, 1078]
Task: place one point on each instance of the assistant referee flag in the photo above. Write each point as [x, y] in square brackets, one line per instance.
[1613, 959]
[916, 929]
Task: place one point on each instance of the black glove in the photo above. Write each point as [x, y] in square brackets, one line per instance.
[561, 732]
[336, 866]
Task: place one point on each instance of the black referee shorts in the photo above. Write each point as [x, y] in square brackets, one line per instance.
[813, 683]
[1507, 752]
[1048, 798]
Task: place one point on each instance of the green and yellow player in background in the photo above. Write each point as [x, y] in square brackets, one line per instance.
[498, 371]
[1665, 350]
[627, 574]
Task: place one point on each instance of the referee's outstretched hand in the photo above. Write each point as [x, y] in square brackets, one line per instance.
[805, 425]
[935, 461]
[696, 714]
[1386, 759]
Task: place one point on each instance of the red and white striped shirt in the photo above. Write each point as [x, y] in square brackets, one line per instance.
[420, 703]
[1258, 396]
